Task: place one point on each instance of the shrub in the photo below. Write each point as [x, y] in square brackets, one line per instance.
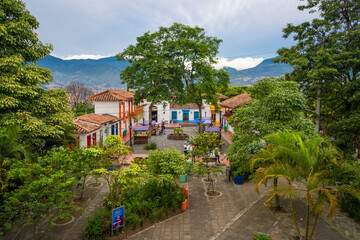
[98, 225]
[351, 205]
[151, 146]
[261, 236]
[132, 220]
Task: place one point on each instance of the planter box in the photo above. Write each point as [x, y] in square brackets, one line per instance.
[183, 178]
[184, 205]
[238, 180]
[178, 137]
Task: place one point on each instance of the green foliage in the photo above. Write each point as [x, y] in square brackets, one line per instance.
[83, 108]
[311, 160]
[99, 225]
[278, 106]
[167, 162]
[178, 131]
[24, 102]
[261, 236]
[350, 205]
[161, 62]
[151, 146]
[326, 59]
[233, 91]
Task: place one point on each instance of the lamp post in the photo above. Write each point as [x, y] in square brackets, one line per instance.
[130, 128]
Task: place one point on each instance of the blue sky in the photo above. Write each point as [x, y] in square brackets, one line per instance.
[251, 30]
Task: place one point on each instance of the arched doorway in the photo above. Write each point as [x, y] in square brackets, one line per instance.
[154, 114]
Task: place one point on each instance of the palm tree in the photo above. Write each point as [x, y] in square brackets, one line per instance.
[306, 160]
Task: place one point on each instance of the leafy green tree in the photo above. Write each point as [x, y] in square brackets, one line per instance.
[204, 145]
[167, 162]
[40, 191]
[278, 106]
[326, 62]
[151, 73]
[230, 91]
[23, 100]
[194, 54]
[163, 61]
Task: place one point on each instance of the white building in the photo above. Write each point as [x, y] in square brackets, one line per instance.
[118, 103]
[94, 128]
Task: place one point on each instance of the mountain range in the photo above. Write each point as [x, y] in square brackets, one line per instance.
[104, 73]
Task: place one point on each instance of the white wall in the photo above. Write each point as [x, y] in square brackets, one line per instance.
[111, 108]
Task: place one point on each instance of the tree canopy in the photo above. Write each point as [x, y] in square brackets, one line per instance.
[165, 62]
[326, 61]
[278, 105]
[23, 101]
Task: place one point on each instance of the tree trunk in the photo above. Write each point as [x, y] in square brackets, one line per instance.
[277, 198]
[150, 119]
[200, 119]
[294, 218]
[318, 108]
[314, 225]
[82, 187]
[307, 219]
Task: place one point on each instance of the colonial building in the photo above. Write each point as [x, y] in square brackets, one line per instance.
[176, 113]
[229, 105]
[94, 128]
[118, 103]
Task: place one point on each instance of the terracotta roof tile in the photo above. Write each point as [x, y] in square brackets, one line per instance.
[185, 106]
[82, 127]
[236, 101]
[97, 118]
[112, 95]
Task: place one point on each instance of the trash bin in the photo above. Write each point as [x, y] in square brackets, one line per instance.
[124, 133]
[225, 128]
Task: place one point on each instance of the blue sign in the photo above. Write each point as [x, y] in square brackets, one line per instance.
[118, 217]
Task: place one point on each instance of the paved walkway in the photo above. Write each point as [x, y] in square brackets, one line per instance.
[237, 214]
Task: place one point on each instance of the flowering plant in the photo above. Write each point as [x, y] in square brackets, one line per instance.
[261, 236]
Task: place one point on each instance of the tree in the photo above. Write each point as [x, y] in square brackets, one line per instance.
[167, 162]
[194, 55]
[233, 91]
[326, 61]
[163, 61]
[309, 160]
[278, 106]
[204, 144]
[78, 93]
[150, 73]
[23, 101]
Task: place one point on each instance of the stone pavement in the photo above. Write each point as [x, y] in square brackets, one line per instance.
[237, 214]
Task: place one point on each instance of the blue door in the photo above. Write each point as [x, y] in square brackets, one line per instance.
[117, 129]
[112, 130]
[174, 116]
[196, 115]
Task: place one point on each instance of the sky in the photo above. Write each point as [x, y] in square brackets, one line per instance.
[251, 30]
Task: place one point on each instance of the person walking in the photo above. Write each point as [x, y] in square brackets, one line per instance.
[217, 154]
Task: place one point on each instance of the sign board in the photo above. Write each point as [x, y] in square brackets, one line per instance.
[117, 218]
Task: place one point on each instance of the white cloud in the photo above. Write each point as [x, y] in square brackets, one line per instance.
[239, 63]
[84, 56]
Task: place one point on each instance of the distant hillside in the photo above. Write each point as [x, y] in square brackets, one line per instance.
[95, 74]
[264, 70]
[104, 73]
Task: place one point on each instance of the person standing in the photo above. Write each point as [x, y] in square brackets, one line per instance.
[163, 128]
[217, 154]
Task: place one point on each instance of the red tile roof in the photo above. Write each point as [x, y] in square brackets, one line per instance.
[82, 127]
[185, 106]
[97, 118]
[113, 95]
[236, 101]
